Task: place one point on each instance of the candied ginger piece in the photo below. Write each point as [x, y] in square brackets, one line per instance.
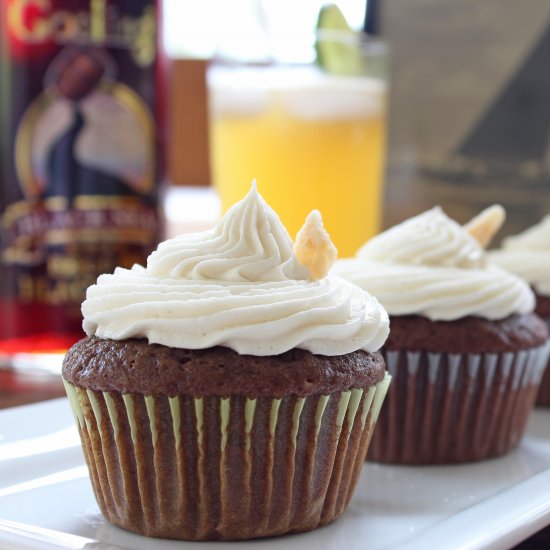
[485, 225]
[313, 247]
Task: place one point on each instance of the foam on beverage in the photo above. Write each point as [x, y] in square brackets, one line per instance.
[304, 92]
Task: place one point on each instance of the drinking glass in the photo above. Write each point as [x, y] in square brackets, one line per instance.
[310, 137]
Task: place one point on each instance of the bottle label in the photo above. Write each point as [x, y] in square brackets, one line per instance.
[79, 168]
[100, 22]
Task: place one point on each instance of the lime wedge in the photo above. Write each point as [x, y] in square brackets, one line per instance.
[337, 45]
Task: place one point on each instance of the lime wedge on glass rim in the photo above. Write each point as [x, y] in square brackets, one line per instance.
[338, 47]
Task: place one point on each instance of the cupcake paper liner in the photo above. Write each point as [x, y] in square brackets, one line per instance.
[543, 397]
[205, 468]
[452, 408]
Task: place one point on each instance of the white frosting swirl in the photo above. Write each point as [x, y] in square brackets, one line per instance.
[528, 256]
[430, 266]
[239, 286]
[248, 244]
[430, 239]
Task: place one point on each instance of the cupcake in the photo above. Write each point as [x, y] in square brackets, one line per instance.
[229, 389]
[465, 351]
[528, 255]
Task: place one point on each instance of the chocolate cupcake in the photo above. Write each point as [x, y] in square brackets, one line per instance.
[528, 256]
[229, 390]
[466, 352]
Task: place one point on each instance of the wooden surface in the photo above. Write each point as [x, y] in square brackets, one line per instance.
[187, 123]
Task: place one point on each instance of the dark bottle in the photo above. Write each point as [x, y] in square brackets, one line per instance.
[78, 159]
[372, 23]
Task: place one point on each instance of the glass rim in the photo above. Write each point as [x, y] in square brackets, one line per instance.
[351, 37]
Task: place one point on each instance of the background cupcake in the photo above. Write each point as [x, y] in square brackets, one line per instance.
[465, 351]
[528, 255]
[228, 391]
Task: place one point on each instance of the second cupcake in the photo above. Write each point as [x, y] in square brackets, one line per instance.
[465, 350]
[528, 256]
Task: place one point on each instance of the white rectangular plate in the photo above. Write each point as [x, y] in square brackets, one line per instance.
[487, 505]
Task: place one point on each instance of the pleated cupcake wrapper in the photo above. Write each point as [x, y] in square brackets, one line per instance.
[224, 468]
[543, 397]
[447, 408]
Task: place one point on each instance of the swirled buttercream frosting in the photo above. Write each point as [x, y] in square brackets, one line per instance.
[238, 285]
[528, 255]
[429, 265]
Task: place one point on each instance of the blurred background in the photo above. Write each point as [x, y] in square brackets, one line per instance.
[192, 36]
[469, 110]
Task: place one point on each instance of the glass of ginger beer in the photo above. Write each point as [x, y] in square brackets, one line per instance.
[307, 121]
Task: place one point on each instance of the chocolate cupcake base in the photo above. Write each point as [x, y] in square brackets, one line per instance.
[543, 310]
[215, 468]
[543, 396]
[453, 408]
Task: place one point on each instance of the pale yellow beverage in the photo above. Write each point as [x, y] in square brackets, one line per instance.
[310, 140]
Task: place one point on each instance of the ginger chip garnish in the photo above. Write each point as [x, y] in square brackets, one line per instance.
[486, 224]
[313, 247]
